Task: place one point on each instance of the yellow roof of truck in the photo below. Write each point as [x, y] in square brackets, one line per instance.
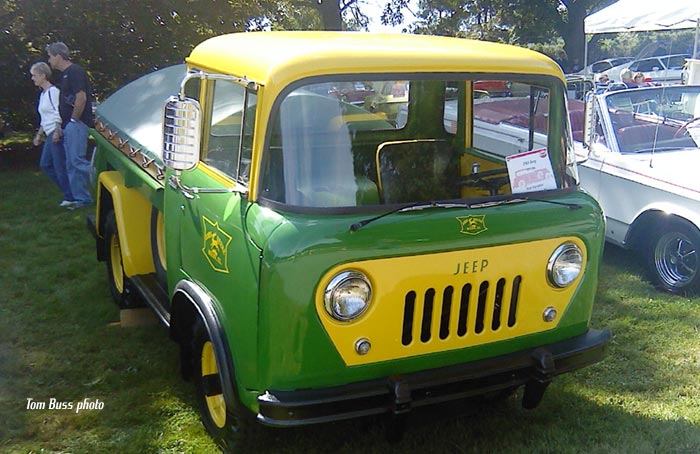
[278, 58]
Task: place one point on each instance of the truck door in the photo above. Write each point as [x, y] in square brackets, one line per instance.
[209, 207]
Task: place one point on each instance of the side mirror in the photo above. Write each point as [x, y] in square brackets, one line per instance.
[181, 133]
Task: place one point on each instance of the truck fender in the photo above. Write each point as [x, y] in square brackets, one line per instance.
[132, 213]
[188, 297]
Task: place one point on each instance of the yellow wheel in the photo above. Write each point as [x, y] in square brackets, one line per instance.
[216, 405]
[115, 259]
[228, 423]
[118, 283]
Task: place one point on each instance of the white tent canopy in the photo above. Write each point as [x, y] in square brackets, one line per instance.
[645, 15]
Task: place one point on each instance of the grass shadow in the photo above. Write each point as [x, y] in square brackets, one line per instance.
[19, 155]
[567, 421]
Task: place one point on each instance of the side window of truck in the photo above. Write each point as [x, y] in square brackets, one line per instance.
[229, 138]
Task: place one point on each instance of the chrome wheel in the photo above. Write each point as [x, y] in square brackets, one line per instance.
[676, 260]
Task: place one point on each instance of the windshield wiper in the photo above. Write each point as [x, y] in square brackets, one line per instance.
[494, 203]
[571, 206]
[418, 206]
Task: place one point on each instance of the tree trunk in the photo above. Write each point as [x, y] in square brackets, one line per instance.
[573, 31]
[330, 14]
[574, 37]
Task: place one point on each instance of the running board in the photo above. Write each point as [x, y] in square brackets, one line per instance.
[147, 286]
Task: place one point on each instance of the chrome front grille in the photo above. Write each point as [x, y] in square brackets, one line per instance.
[454, 301]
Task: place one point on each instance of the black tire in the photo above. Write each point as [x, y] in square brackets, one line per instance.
[673, 257]
[118, 282]
[158, 246]
[229, 424]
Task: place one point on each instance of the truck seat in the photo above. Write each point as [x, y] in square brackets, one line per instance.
[417, 170]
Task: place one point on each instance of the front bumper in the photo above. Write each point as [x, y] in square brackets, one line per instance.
[534, 368]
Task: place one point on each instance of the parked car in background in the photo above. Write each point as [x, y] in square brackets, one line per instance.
[640, 161]
[577, 85]
[606, 65]
[494, 88]
[691, 72]
[352, 92]
[663, 69]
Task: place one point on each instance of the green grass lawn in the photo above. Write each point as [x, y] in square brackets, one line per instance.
[59, 340]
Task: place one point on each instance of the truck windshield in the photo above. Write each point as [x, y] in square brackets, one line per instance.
[355, 143]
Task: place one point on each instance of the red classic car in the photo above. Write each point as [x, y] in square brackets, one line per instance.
[494, 88]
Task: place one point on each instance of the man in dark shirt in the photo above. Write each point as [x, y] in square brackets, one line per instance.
[75, 107]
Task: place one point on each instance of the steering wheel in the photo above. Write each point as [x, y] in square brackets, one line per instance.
[684, 127]
[490, 180]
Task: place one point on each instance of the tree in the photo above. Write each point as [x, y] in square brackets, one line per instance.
[332, 11]
[491, 20]
[117, 42]
[123, 39]
[521, 22]
[571, 28]
[15, 59]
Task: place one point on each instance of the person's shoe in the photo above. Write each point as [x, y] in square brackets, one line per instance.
[77, 205]
[67, 203]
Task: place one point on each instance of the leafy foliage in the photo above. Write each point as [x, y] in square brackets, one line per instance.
[671, 42]
[121, 39]
[520, 22]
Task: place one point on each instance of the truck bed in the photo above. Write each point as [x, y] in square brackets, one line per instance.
[132, 118]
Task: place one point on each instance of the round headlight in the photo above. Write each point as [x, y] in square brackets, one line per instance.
[564, 265]
[347, 295]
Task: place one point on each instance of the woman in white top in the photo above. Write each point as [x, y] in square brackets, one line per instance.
[53, 156]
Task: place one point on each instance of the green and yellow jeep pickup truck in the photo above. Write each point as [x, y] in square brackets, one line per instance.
[328, 232]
